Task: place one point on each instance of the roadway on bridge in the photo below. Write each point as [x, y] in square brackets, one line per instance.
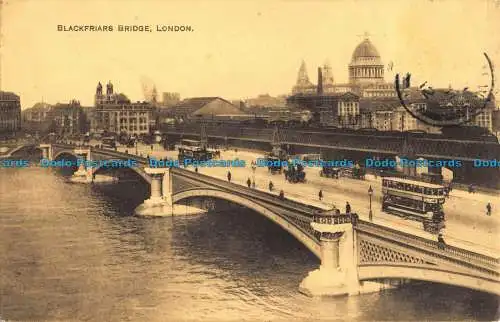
[467, 225]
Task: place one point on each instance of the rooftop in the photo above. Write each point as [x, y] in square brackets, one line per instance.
[8, 96]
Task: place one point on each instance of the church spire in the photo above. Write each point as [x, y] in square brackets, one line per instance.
[302, 77]
[327, 74]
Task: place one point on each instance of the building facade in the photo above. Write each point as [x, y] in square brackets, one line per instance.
[265, 101]
[38, 113]
[495, 116]
[62, 119]
[115, 113]
[379, 105]
[10, 113]
[69, 119]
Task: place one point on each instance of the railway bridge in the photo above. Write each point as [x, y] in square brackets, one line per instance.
[358, 146]
[355, 255]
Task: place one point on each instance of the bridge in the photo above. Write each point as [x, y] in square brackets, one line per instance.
[374, 142]
[353, 253]
[358, 147]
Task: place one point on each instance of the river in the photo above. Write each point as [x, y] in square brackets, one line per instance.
[76, 252]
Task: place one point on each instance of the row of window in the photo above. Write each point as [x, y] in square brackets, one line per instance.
[413, 188]
[133, 120]
[129, 113]
[410, 203]
[134, 128]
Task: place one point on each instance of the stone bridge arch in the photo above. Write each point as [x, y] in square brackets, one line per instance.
[23, 147]
[61, 152]
[138, 170]
[302, 237]
[428, 273]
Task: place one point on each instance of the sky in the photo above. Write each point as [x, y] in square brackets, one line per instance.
[238, 48]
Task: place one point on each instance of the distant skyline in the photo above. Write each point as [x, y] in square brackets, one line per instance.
[238, 49]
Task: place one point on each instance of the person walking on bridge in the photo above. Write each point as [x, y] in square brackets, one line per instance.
[347, 208]
[320, 195]
[488, 209]
[249, 182]
[229, 176]
[282, 194]
[441, 242]
[271, 186]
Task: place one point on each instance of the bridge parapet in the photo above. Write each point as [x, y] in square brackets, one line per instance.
[481, 261]
[333, 219]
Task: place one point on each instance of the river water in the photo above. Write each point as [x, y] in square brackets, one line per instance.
[75, 252]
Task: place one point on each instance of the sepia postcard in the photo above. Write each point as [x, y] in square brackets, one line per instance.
[249, 160]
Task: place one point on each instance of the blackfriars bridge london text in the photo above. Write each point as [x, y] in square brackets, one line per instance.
[125, 28]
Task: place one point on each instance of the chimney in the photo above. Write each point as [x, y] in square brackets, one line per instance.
[320, 82]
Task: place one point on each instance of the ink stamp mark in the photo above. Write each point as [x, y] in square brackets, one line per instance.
[445, 107]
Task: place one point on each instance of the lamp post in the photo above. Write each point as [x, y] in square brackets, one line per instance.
[370, 193]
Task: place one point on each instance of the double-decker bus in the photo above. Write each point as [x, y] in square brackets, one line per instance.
[414, 199]
[192, 149]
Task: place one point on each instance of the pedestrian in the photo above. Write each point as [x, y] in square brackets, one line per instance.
[282, 194]
[271, 185]
[229, 176]
[249, 182]
[441, 242]
[354, 219]
[488, 209]
[196, 169]
[320, 195]
[151, 147]
[347, 208]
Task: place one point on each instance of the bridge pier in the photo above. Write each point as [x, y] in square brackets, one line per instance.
[84, 173]
[338, 272]
[156, 196]
[46, 151]
[160, 202]
[335, 275]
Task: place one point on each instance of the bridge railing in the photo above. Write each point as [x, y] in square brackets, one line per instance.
[333, 220]
[484, 261]
[300, 215]
[110, 153]
[287, 203]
